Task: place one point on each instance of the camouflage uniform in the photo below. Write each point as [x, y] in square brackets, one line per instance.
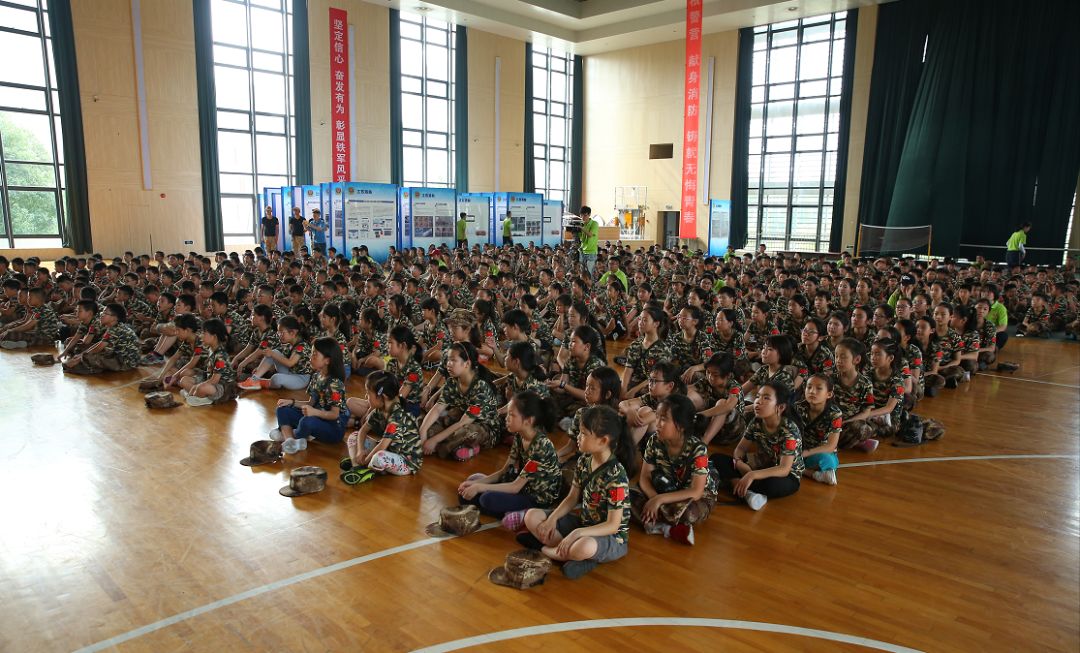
[687, 354]
[851, 401]
[540, 467]
[891, 387]
[479, 402]
[264, 340]
[782, 375]
[642, 360]
[603, 490]
[672, 474]
[404, 434]
[121, 351]
[817, 431]
[773, 447]
[47, 329]
[217, 362]
[412, 374]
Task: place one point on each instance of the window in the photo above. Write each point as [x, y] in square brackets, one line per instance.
[32, 184]
[1068, 232]
[427, 101]
[553, 84]
[794, 131]
[253, 67]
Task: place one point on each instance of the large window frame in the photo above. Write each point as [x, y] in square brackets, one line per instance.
[427, 101]
[23, 98]
[798, 76]
[552, 114]
[257, 63]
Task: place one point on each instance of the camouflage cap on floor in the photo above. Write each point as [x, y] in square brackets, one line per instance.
[523, 569]
[160, 400]
[455, 520]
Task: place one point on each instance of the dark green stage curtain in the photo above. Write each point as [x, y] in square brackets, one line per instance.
[397, 162]
[898, 51]
[76, 228]
[837, 231]
[529, 179]
[204, 83]
[993, 139]
[577, 137]
[461, 111]
[302, 91]
[740, 149]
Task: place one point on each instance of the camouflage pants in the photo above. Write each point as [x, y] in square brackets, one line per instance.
[883, 426]
[98, 363]
[473, 435]
[854, 433]
[682, 512]
[987, 358]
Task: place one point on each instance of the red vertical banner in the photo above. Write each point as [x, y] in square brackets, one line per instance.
[688, 222]
[339, 93]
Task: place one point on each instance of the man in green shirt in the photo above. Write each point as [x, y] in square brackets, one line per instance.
[590, 239]
[614, 272]
[506, 225]
[462, 241]
[1014, 248]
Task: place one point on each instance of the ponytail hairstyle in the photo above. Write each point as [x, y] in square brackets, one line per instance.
[670, 374]
[968, 316]
[466, 351]
[525, 355]
[542, 411]
[334, 313]
[605, 422]
[591, 337]
[908, 329]
[267, 314]
[331, 349]
[658, 315]
[855, 346]
[347, 309]
[681, 411]
[730, 315]
[782, 345]
[485, 311]
[398, 302]
[800, 300]
[842, 318]
[786, 398]
[764, 307]
[722, 362]
[217, 328]
[372, 317]
[384, 385]
[432, 304]
[405, 336]
[610, 386]
[890, 347]
[304, 318]
[696, 315]
[290, 323]
[517, 318]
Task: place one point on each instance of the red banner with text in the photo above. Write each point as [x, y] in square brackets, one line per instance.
[339, 93]
[688, 222]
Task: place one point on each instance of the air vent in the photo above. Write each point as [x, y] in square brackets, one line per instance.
[661, 151]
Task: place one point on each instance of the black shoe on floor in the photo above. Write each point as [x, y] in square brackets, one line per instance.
[529, 541]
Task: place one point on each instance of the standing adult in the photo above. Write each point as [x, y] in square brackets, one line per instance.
[1014, 248]
[296, 230]
[317, 226]
[590, 239]
[507, 226]
[269, 225]
[459, 235]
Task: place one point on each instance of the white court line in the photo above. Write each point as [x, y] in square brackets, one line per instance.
[269, 587]
[735, 624]
[942, 459]
[315, 573]
[1016, 378]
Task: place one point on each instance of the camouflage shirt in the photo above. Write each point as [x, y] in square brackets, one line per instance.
[773, 447]
[692, 460]
[819, 362]
[238, 325]
[514, 385]
[782, 375]
[122, 342]
[816, 431]
[891, 386]
[539, 465]
[603, 490]
[641, 359]
[578, 373]
[432, 335]
[854, 399]
[411, 374]
[264, 339]
[478, 401]
[404, 434]
[303, 364]
[217, 362]
[48, 324]
[687, 354]
[370, 343]
[326, 393]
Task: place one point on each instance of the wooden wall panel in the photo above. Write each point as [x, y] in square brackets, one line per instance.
[484, 47]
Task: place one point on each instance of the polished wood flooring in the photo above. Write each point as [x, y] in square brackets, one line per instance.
[115, 518]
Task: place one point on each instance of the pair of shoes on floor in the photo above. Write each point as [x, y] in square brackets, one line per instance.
[254, 383]
[13, 344]
[464, 454]
[192, 400]
[293, 445]
[828, 477]
[357, 475]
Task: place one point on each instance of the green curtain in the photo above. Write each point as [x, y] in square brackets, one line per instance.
[837, 231]
[529, 178]
[461, 110]
[204, 83]
[397, 162]
[577, 136]
[302, 91]
[740, 148]
[76, 228]
[993, 138]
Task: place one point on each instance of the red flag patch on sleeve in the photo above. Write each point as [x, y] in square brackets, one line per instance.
[219, 365]
[900, 390]
[791, 444]
[530, 467]
[198, 351]
[376, 344]
[617, 494]
[412, 378]
[474, 410]
[335, 396]
[264, 344]
[869, 399]
[838, 422]
[828, 362]
[736, 390]
[391, 428]
[701, 462]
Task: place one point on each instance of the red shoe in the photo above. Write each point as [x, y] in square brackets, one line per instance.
[682, 533]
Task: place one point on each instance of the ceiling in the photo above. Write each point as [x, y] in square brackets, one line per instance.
[591, 26]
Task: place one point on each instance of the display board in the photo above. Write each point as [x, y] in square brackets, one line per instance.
[371, 217]
[553, 232]
[405, 223]
[478, 216]
[526, 214]
[433, 212]
[333, 207]
[719, 226]
[328, 213]
[285, 241]
[273, 199]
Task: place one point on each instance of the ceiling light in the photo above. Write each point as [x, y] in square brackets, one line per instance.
[422, 8]
[792, 8]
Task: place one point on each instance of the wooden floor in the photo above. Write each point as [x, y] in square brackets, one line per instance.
[116, 518]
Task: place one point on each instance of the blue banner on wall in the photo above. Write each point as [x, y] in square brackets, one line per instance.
[719, 226]
[477, 208]
[526, 217]
[371, 217]
[553, 232]
[433, 212]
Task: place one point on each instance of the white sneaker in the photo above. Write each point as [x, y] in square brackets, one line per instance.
[755, 500]
[275, 435]
[13, 344]
[192, 400]
[827, 477]
[967, 376]
[566, 423]
[294, 445]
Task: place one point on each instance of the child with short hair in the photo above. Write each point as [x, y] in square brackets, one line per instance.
[776, 467]
[822, 422]
[324, 415]
[600, 532]
[677, 486]
[466, 417]
[777, 354]
[217, 382]
[721, 396]
[40, 326]
[292, 361]
[117, 349]
[530, 477]
[189, 352]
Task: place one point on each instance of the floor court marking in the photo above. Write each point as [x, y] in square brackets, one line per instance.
[733, 624]
[1016, 378]
[322, 571]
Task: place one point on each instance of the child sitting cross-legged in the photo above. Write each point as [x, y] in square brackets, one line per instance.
[324, 415]
[389, 442]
